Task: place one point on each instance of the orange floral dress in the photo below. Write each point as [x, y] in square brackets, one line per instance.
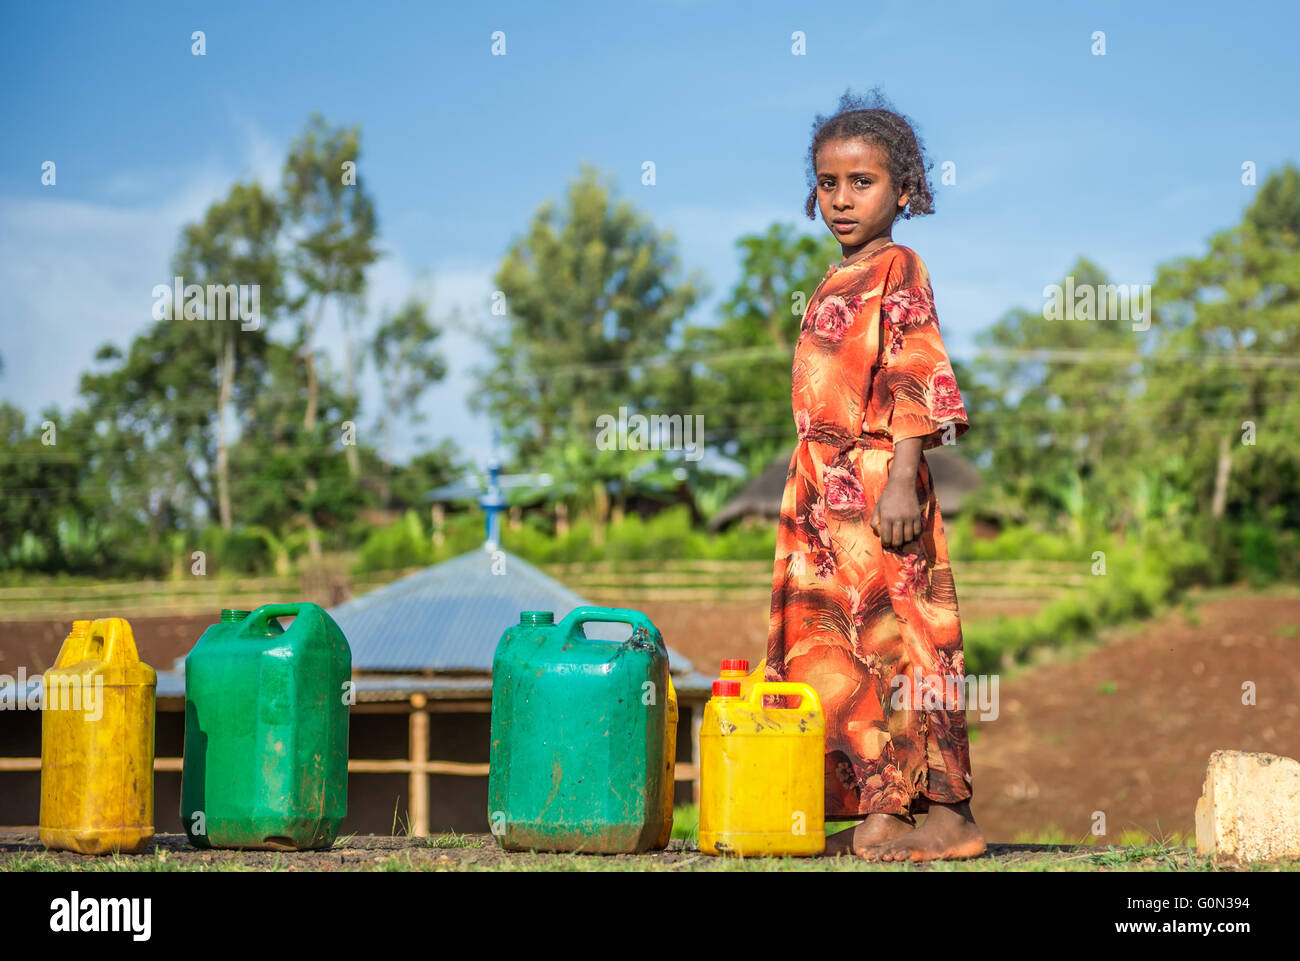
[870, 628]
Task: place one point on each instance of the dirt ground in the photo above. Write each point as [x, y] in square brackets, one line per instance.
[1127, 729]
[35, 644]
[1124, 728]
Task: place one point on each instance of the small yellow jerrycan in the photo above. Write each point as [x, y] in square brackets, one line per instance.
[97, 742]
[761, 772]
[738, 673]
[670, 767]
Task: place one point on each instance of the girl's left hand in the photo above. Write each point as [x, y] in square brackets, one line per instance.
[897, 518]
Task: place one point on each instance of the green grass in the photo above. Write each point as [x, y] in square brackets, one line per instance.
[1154, 857]
[453, 840]
[158, 861]
[686, 822]
[1135, 838]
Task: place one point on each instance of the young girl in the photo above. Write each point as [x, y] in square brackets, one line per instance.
[863, 602]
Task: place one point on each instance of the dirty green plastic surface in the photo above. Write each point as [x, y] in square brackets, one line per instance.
[577, 757]
[266, 731]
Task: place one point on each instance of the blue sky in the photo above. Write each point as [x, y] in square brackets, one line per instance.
[1129, 158]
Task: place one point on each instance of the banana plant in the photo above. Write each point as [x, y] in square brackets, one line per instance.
[281, 548]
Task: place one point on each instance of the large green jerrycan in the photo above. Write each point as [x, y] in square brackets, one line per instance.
[578, 731]
[266, 731]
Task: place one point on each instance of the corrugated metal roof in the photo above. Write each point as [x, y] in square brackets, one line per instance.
[472, 488]
[398, 687]
[449, 617]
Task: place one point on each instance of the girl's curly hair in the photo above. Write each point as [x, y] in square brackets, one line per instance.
[874, 120]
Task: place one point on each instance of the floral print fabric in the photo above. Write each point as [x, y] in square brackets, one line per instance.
[874, 631]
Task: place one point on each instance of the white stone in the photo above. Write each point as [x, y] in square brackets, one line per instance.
[1249, 808]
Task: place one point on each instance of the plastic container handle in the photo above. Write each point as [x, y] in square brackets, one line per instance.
[115, 639]
[613, 615]
[267, 611]
[73, 651]
[785, 687]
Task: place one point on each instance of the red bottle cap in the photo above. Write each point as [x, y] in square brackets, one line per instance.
[735, 664]
[726, 689]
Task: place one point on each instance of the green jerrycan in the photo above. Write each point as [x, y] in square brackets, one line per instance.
[266, 731]
[578, 735]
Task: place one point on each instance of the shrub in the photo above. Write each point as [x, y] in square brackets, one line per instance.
[230, 551]
[1255, 553]
[403, 543]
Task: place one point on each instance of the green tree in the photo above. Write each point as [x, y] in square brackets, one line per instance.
[404, 356]
[1225, 379]
[1060, 397]
[737, 371]
[333, 224]
[154, 417]
[150, 417]
[40, 494]
[292, 479]
[234, 245]
[589, 298]
[409, 482]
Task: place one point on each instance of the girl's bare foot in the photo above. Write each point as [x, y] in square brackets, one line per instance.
[949, 833]
[875, 829]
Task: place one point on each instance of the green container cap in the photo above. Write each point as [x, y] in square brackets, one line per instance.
[229, 615]
[537, 617]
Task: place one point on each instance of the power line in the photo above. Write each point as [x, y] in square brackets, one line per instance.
[1049, 355]
[1022, 437]
[1091, 407]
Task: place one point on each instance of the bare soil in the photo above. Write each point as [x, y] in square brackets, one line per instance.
[1127, 729]
[35, 644]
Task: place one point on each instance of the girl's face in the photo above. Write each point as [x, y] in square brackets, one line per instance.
[857, 199]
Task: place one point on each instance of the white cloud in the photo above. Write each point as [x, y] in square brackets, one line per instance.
[445, 404]
[77, 274]
[81, 273]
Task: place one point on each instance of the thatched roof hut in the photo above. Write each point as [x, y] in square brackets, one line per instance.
[954, 478]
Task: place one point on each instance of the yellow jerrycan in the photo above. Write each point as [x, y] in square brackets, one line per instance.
[97, 743]
[761, 772]
[670, 764]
